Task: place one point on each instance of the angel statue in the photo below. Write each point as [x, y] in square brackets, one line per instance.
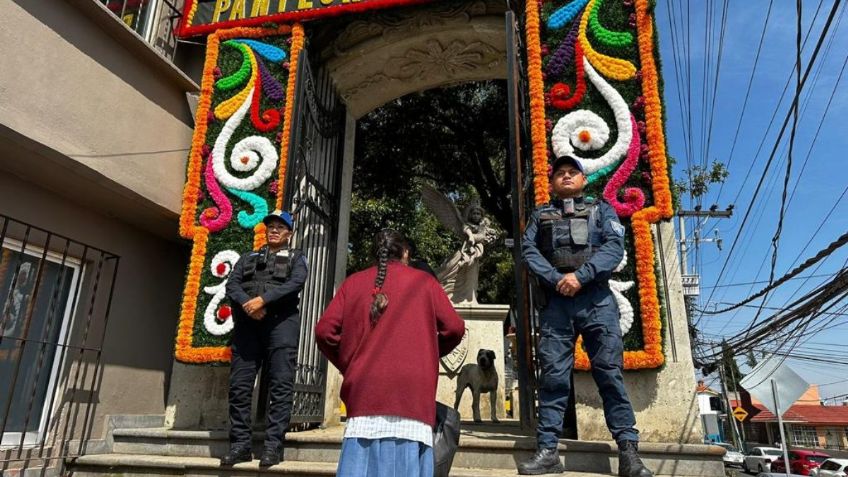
[459, 273]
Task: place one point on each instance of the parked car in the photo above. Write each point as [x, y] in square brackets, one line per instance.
[832, 468]
[800, 462]
[772, 474]
[760, 459]
[732, 457]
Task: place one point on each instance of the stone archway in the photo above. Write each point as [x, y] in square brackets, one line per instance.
[384, 56]
[376, 58]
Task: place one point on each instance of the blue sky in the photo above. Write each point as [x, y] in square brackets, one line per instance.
[819, 187]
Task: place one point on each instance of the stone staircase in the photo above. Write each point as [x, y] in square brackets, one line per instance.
[485, 450]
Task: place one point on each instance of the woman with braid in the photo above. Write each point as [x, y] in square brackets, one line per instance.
[385, 331]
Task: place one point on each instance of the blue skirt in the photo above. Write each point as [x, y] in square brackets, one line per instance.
[385, 458]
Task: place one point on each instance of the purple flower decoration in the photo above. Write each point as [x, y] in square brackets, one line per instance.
[270, 86]
[564, 54]
[274, 187]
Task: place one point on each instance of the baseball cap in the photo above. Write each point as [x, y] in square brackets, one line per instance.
[560, 161]
[285, 216]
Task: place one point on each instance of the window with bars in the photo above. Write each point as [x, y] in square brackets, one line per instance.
[154, 20]
[803, 436]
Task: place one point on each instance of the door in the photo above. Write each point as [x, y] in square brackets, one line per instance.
[313, 183]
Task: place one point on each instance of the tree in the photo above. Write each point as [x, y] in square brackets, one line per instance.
[699, 179]
[732, 374]
[453, 138]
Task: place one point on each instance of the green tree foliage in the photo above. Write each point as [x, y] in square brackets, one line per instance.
[732, 374]
[453, 138]
[699, 179]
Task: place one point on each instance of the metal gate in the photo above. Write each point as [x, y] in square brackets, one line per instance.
[521, 167]
[313, 184]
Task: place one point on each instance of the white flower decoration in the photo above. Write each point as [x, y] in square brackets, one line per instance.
[618, 288]
[585, 130]
[221, 266]
[253, 153]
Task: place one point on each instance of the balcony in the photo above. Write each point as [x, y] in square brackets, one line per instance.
[155, 21]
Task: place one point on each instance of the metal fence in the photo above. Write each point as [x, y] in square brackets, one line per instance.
[55, 296]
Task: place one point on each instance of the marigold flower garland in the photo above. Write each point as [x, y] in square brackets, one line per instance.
[246, 159]
[538, 134]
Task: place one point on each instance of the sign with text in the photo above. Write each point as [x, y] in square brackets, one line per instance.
[205, 16]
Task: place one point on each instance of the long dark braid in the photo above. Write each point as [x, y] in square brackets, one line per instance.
[389, 246]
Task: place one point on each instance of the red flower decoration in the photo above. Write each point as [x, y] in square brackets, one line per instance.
[225, 312]
[560, 94]
[221, 269]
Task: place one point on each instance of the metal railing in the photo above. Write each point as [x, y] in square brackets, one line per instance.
[154, 20]
[55, 296]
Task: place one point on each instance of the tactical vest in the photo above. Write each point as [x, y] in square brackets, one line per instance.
[568, 241]
[264, 270]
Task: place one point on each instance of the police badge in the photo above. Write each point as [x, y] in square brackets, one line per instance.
[617, 228]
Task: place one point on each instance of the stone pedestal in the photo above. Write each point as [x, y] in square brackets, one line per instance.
[664, 399]
[197, 397]
[484, 330]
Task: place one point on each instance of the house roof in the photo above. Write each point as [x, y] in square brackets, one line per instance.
[812, 414]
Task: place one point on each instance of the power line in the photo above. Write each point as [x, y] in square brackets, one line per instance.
[759, 282]
[819, 43]
[825, 252]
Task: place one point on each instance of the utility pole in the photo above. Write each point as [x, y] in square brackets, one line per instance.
[738, 402]
[729, 413]
[692, 281]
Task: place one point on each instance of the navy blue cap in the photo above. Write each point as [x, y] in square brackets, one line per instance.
[285, 216]
[568, 160]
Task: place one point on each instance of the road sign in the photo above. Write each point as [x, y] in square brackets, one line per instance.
[740, 414]
[788, 385]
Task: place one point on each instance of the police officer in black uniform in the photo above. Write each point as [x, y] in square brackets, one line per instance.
[264, 287]
[572, 245]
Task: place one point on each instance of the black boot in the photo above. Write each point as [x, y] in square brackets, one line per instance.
[629, 463]
[546, 461]
[237, 454]
[271, 457]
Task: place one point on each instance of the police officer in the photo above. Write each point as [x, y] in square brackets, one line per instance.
[264, 287]
[572, 245]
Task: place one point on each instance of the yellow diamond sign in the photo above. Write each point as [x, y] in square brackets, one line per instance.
[740, 414]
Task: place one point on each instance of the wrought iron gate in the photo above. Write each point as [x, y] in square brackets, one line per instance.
[521, 166]
[313, 184]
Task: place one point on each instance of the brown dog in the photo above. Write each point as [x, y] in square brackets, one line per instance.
[481, 378]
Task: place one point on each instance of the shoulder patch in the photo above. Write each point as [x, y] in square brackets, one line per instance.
[617, 228]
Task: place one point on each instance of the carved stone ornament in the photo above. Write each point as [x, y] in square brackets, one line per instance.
[434, 60]
[393, 24]
[456, 358]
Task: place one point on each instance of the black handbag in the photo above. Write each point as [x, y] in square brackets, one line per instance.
[445, 439]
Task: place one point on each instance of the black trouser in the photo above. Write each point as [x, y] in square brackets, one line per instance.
[256, 344]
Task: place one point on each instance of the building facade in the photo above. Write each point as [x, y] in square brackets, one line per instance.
[94, 128]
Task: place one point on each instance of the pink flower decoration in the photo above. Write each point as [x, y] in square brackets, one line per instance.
[634, 198]
[274, 187]
[215, 218]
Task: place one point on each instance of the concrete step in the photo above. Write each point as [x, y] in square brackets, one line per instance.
[489, 447]
[138, 465]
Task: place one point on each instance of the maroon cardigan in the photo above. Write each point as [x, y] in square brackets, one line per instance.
[396, 369]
